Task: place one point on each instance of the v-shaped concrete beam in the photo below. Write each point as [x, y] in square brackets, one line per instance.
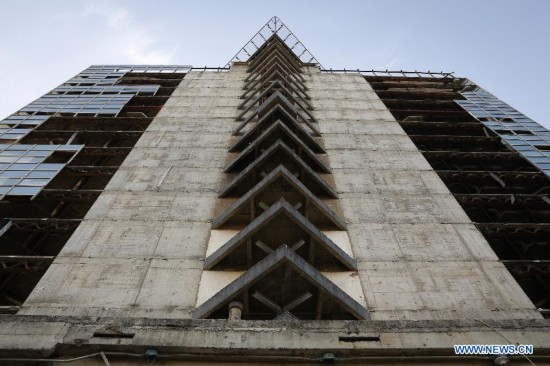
[277, 114]
[274, 46]
[312, 202]
[279, 60]
[286, 157]
[272, 86]
[281, 207]
[268, 75]
[269, 137]
[278, 98]
[275, 74]
[283, 256]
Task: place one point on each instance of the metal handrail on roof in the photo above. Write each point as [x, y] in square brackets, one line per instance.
[400, 73]
[274, 26]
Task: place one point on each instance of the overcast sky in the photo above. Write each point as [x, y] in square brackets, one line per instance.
[501, 45]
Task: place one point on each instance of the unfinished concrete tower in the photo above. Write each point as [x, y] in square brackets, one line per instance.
[273, 212]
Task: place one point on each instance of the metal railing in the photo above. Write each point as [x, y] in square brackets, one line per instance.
[274, 26]
[440, 74]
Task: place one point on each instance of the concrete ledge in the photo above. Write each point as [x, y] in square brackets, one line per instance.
[74, 336]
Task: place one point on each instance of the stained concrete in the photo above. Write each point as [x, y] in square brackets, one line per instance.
[419, 255]
[426, 274]
[141, 247]
[213, 281]
[418, 252]
[220, 341]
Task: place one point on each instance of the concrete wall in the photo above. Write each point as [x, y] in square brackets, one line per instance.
[419, 255]
[135, 263]
[140, 249]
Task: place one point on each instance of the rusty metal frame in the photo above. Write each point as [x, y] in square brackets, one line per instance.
[24, 263]
[44, 224]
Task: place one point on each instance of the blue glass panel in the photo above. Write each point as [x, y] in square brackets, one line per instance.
[93, 92]
[482, 105]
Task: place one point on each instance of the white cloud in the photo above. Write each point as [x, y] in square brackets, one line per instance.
[129, 39]
[116, 17]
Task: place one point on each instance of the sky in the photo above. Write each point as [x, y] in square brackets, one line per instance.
[501, 45]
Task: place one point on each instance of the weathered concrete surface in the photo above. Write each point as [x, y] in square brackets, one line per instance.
[426, 274]
[419, 255]
[222, 339]
[213, 281]
[140, 249]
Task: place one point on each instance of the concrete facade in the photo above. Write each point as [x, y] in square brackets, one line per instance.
[140, 250]
[419, 255]
[425, 273]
